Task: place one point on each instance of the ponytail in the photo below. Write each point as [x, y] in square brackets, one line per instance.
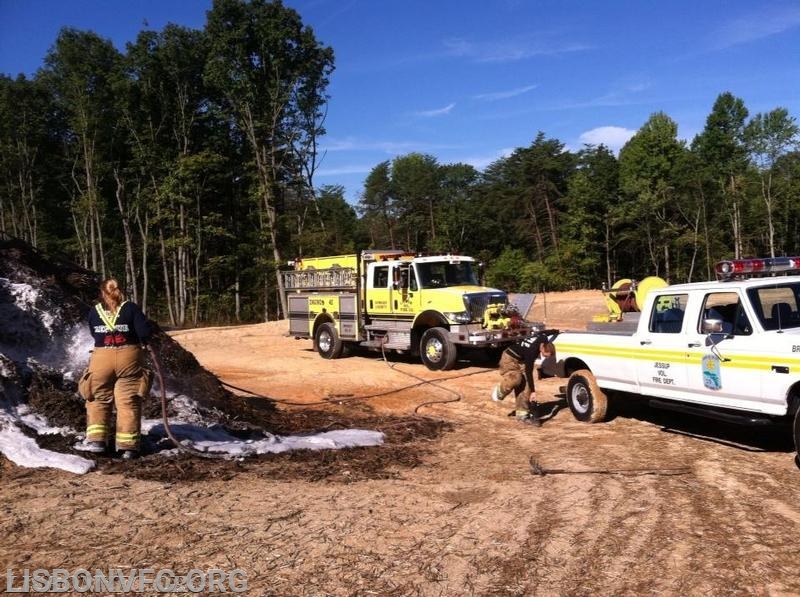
[110, 294]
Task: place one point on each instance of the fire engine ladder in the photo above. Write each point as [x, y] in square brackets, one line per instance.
[335, 278]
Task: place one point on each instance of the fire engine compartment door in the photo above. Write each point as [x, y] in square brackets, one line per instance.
[348, 324]
[299, 323]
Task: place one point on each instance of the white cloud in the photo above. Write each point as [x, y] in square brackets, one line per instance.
[756, 25]
[509, 50]
[436, 112]
[481, 162]
[500, 95]
[333, 144]
[344, 170]
[613, 137]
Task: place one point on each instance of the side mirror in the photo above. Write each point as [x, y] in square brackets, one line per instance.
[712, 326]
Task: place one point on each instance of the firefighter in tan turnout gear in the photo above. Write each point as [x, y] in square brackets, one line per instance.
[117, 375]
[516, 371]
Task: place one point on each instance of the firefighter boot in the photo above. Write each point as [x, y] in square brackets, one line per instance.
[93, 447]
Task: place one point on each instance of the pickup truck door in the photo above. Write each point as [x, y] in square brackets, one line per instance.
[721, 362]
[662, 351]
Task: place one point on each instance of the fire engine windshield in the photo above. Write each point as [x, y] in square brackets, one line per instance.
[441, 274]
[777, 306]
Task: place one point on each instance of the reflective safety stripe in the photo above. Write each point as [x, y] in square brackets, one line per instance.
[108, 318]
[128, 437]
[98, 428]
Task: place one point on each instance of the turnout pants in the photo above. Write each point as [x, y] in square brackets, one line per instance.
[512, 373]
[117, 378]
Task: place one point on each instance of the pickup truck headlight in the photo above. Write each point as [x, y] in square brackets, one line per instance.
[459, 317]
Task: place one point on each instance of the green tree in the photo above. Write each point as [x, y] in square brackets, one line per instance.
[269, 74]
[590, 218]
[722, 153]
[377, 209]
[83, 71]
[456, 214]
[415, 189]
[768, 137]
[647, 172]
[340, 233]
[525, 190]
[168, 128]
[24, 148]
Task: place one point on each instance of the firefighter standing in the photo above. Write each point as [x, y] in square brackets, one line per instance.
[117, 376]
[516, 370]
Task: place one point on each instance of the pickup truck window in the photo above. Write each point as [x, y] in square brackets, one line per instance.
[668, 313]
[776, 306]
[726, 308]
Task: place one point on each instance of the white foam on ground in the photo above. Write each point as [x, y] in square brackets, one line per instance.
[219, 441]
[23, 451]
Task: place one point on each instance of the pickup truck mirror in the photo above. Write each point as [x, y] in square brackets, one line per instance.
[712, 326]
[716, 330]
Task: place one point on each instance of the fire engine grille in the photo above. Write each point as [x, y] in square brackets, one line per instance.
[477, 303]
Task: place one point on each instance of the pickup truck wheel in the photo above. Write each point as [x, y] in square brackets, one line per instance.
[437, 351]
[327, 341]
[797, 436]
[586, 400]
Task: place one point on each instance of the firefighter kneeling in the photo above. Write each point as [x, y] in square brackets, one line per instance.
[516, 370]
[117, 375]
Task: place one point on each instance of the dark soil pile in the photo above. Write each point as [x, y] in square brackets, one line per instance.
[65, 292]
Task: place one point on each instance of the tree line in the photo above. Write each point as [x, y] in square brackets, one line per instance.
[186, 164]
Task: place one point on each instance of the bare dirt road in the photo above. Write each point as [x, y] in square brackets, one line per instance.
[647, 503]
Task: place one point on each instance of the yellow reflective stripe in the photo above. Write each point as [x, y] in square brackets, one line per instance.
[111, 322]
[98, 427]
[126, 436]
[686, 357]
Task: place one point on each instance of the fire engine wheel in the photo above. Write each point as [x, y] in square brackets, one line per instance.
[327, 341]
[586, 400]
[437, 351]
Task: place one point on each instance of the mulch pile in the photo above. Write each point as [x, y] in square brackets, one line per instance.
[66, 292]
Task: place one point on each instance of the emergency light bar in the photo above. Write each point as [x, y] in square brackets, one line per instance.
[756, 267]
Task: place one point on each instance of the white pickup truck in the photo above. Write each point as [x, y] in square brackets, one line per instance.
[728, 349]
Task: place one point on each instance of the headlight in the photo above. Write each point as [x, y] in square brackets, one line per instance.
[461, 317]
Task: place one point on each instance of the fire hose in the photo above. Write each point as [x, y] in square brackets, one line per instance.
[187, 448]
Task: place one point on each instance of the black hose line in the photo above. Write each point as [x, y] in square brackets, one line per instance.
[187, 448]
[343, 399]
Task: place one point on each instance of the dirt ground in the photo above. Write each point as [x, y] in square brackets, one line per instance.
[646, 503]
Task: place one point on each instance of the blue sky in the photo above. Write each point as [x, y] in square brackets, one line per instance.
[471, 80]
